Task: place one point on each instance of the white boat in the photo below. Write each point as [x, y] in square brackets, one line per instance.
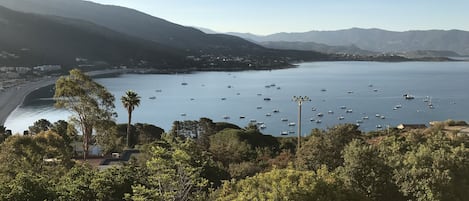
[330, 112]
[349, 111]
[365, 118]
[408, 96]
[359, 121]
[378, 126]
[341, 118]
[318, 121]
[382, 117]
[284, 133]
[263, 126]
[292, 124]
[268, 114]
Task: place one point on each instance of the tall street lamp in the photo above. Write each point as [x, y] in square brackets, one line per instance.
[300, 100]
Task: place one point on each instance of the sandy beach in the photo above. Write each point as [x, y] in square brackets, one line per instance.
[13, 97]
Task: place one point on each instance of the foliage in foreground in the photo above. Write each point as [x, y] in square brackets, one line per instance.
[419, 165]
[288, 184]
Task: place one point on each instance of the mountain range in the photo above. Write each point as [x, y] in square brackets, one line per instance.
[374, 40]
[59, 31]
[87, 28]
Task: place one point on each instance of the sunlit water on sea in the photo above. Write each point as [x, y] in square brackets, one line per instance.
[367, 88]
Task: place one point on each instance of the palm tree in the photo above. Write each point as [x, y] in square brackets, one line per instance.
[130, 100]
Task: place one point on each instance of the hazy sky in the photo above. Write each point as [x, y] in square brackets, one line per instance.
[272, 16]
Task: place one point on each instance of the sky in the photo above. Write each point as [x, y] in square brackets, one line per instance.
[263, 17]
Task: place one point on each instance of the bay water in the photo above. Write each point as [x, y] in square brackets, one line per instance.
[367, 93]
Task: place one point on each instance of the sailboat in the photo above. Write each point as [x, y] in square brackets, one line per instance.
[430, 104]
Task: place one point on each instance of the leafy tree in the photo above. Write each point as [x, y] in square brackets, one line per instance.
[41, 153]
[174, 174]
[243, 169]
[287, 184]
[26, 186]
[148, 133]
[65, 130]
[111, 137]
[90, 102]
[228, 147]
[113, 183]
[427, 166]
[367, 173]
[207, 128]
[325, 148]
[76, 184]
[39, 126]
[130, 100]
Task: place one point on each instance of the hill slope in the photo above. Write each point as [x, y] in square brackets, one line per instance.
[137, 24]
[53, 40]
[190, 41]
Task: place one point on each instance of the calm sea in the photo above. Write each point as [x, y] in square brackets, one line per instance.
[364, 89]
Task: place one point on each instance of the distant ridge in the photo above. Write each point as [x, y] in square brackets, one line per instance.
[377, 40]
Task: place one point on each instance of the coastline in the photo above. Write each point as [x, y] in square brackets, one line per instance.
[14, 97]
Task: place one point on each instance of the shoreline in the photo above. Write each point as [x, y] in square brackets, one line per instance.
[14, 97]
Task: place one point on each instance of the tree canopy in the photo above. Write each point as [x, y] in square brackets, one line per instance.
[89, 101]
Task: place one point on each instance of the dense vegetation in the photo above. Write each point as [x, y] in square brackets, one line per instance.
[340, 163]
[205, 160]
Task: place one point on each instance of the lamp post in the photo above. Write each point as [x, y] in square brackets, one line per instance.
[300, 100]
